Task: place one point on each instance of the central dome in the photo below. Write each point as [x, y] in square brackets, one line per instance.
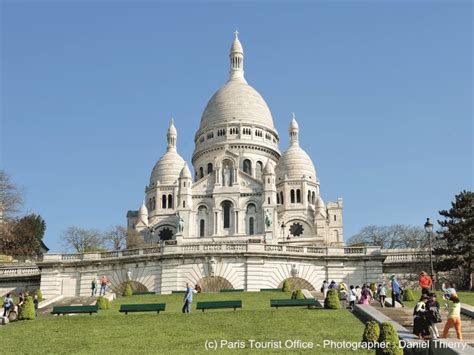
[235, 102]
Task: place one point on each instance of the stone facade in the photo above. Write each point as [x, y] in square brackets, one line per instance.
[243, 187]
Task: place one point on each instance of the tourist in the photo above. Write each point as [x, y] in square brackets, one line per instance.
[434, 315]
[358, 293]
[343, 294]
[377, 292]
[382, 292]
[454, 317]
[324, 288]
[197, 288]
[352, 298]
[448, 290]
[420, 322]
[7, 305]
[425, 283]
[36, 303]
[188, 299]
[396, 291]
[21, 300]
[332, 285]
[103, 285]
[94, 286]
[365, 295]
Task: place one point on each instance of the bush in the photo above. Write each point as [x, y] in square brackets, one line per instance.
[286, 286]
[389, 336]
[297, 295]
[127, 292]
[103, 303]
[332, 300]
[371, 332]
[408, 295]
[373, 287]
[39, 294]
[27, 310]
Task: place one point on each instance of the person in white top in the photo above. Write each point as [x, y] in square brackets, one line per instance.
[352, 297]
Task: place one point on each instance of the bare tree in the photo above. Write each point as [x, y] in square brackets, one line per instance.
[116, 237]
[83, 240]
[134, 239]
[389, 237]
[11, 197]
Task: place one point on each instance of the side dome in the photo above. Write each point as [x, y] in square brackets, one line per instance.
[168, 168]
[236, 101]
[295, 163]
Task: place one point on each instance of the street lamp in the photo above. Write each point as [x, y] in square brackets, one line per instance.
[429, 231]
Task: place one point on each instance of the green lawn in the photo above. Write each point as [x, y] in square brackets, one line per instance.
[174, 332]
[465, 297]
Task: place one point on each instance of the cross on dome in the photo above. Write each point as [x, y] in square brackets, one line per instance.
[236, 33]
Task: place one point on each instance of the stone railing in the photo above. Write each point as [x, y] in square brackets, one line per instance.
[219, 248]
[397, 256]
[19, 271]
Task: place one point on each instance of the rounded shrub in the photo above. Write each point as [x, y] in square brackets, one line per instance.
[286, 286]
[39, 294]
[371, 332]
[373, 287]
[27, 310]
[389, 336]
[127, 292]
[103, 303]
[297, 295]
[408, 295]
[332, 300]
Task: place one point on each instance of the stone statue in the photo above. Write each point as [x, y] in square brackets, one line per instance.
[179, 223]
[268, 219]
[226, 176]
[129, 275]
[211, 267]
[294, 271]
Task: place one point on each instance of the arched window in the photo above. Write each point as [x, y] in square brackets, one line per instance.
[209, 168]
[298, 196]
[163, 201]
[309, 196]
[292, 195]
[201, 172]
[226, 206]
[313, 198]
[154, 203]
[202, 225]
[251, 226]
[248, 166]
[150, 204]
[258, 172]
[184, 204]
[281, 197]
[334, 218]
[278, 198]
[170, 201]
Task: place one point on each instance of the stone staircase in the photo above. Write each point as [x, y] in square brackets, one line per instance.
[404, 316]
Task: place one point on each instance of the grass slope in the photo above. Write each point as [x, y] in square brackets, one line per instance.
[171, 332]
[465, 297]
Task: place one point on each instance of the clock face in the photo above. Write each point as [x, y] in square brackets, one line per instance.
[296, 229]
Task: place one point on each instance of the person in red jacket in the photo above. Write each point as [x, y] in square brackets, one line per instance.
[425, 283]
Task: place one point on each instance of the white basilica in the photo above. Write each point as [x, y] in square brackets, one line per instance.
[243, 188]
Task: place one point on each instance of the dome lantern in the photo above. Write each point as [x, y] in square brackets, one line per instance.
[172, 136]
[294, 130]
[236, 56]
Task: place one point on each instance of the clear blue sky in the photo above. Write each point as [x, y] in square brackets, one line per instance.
[382, 92]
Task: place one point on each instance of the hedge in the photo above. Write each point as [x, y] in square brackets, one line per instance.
[127, 292]
[371, 332]
[103, 303]
[408, 295]
[332, 300]
[27, 310]
[286, 286]
[389, 336]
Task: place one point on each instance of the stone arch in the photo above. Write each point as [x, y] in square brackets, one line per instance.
[214, 283]
[202, 221]
[298, 283]
[136, 287]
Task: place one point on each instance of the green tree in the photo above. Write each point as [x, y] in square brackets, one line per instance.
[24, 236]
[455, 241]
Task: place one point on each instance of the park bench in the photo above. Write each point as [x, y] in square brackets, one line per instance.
[143, 293]
[177, 292]
[74, 309]
[231, 290]
[270, 290]
[292, 303]
[219, 304]
[150, 307]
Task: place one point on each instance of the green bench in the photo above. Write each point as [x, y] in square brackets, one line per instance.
[150, 307]
[74, 309]
[177, 292]
[219, 304]
[143, 293]
[310, 302]
[270, 290]
[231, 290]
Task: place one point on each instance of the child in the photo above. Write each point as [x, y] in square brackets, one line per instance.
[433, 315]
[352, 298]
[454, 317]
[420, 324]
[382, 294]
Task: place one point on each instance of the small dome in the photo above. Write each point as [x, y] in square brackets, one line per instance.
[268, 168]
[143, 210]
[167, 169]
[185, 172]
[294, 124]
[172, 128]
[294, 164]
[234, 102]
[320, 202]
[236, 47]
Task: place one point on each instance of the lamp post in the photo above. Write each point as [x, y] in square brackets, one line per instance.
[429, 231]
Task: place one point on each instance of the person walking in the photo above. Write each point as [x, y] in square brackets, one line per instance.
[7, 305]
[420, 323]
[365, 295]
[324, 289]
[36, 303]
[188, 299]
[103, 285]
[94, 287]
[396, 291]
[332, 284]
[352, 298]
[425, 283]
[454, 317]
[434, 316]
[358, 292]
[382, 294]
